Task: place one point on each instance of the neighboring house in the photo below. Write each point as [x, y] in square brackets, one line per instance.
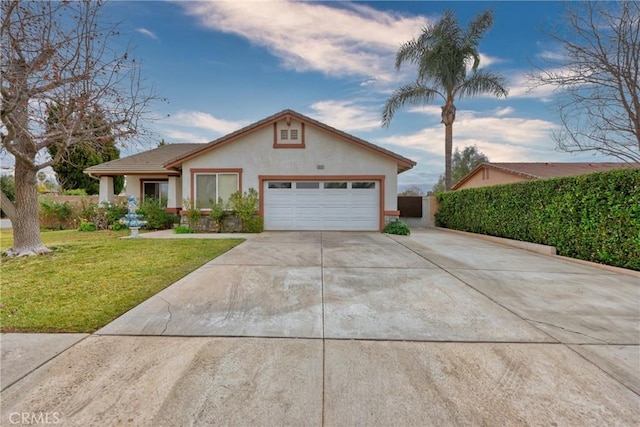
[487, 174]
[309, 176]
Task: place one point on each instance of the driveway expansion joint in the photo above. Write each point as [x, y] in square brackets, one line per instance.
[567, 330]
[470, 286]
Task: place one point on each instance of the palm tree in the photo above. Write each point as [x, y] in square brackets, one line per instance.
[442, 53]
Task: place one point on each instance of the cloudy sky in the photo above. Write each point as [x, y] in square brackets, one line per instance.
[226, 64]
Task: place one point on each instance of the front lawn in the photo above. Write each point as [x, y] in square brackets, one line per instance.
[92, 278]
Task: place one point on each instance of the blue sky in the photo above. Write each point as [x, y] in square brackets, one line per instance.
[226, 64]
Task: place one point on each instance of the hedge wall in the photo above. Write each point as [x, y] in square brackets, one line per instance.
[595, 217]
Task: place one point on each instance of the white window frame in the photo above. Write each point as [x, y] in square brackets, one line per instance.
[217, 174]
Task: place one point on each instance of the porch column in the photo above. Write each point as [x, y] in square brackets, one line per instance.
[106, 189]
[174, 194]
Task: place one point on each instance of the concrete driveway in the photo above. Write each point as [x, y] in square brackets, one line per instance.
[343, 329]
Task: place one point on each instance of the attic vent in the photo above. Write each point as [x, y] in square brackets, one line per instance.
[294, 133]
[284, 134]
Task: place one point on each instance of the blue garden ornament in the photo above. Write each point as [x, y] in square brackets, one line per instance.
[132, 219]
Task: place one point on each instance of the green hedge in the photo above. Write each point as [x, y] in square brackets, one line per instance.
[595, 217]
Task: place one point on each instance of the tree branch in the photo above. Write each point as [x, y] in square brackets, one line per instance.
[7, 206]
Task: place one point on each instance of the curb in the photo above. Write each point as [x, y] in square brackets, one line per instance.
[527, 246]
[544, 250]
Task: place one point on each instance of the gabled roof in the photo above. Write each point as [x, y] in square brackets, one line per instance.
[148, 162]
[547, 169]
[404, 163]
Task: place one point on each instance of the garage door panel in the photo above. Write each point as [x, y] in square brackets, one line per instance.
[306, 212]
[337, 211]
[321, 208]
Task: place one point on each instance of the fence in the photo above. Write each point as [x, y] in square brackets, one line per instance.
[418, 211]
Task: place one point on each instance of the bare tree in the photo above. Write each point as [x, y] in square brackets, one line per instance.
[62, 54]
[597, 79]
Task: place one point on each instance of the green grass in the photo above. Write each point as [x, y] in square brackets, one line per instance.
[92, 278]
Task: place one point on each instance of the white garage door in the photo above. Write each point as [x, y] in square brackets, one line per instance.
[321, 205]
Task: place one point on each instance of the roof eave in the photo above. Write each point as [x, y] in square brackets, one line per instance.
[404, 164]
[131, 172]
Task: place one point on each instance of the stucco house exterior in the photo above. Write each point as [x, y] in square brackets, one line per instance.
[309, 176]
[487, 174]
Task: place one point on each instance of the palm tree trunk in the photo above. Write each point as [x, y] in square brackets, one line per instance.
[448, 117]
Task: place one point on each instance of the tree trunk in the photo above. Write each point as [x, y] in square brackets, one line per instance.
[26, 223]
[448, 117]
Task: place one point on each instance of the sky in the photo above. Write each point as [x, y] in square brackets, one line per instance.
[226, 64]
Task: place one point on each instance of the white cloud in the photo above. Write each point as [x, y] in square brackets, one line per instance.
[195, 126]
[505, 111]
[522, 86]
[206, 121]
[345, 115]
[174, 136]
[549, 55]
[147, 33]
[500, 138]
[338, 39]
[486, 60]
[429, 110]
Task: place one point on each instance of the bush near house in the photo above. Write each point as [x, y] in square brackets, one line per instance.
[155, 214]
[397, 227]
[595, 217]
[254, 224]
[236, 215]
[57, 215]
[105, 215]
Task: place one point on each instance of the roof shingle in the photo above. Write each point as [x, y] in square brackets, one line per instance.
[147, 162]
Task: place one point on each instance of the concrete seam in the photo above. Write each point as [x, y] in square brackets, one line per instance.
[529, 321]
[599, 368]
[566, 329]
[367, 339]
[478, 291]
[6, 387]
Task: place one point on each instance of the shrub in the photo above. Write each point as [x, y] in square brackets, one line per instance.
[595, 217]
[193, 213]
[113, 211]
[218, 214]
[244, 204]
[253, 225]
[87, 226]
[57, 215]
[75, 192]
[155, 214]
[104, 216]
[397, 227]
[181, 229]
